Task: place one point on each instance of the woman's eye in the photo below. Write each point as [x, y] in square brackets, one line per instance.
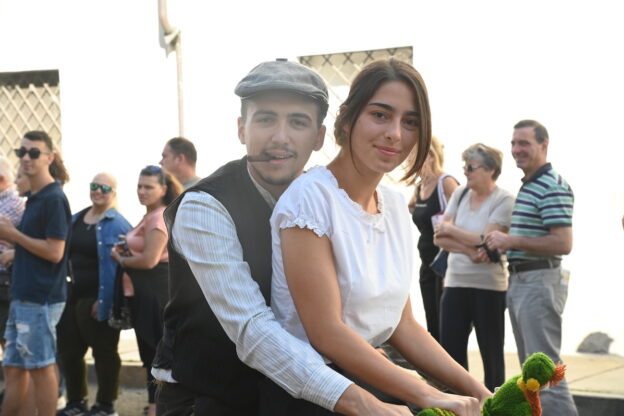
[411, 122]
[379, 115]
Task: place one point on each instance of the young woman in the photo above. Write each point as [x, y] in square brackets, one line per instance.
[431, 194]
[84, 324]
[342, 251]
[474, 286]
[147, 265]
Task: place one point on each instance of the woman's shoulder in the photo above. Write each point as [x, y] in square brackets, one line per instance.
[315, 180]
[503, 194]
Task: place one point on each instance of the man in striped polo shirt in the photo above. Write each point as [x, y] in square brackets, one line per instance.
[540, 233]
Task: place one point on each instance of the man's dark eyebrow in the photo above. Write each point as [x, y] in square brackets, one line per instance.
[299, 115]
[264, 113]
[390, 108]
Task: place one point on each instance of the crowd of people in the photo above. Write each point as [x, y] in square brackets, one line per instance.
[263, 290]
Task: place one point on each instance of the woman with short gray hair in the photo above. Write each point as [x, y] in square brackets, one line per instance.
[475, 282]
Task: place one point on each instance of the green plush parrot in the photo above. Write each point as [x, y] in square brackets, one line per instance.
[518, 396]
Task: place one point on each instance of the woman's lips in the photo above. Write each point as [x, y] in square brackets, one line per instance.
[388, 151]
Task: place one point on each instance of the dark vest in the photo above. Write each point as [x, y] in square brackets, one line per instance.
[203, 358]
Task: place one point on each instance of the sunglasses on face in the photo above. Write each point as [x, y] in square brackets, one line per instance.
[471, 168]
[33, 152]
[104, 188]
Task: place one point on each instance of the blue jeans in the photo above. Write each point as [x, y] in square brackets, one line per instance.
[31, 334]
[535, 300]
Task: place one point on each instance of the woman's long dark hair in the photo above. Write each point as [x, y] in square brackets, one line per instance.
[364, 86]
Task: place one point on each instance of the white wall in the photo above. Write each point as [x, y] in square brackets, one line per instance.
[486, 64]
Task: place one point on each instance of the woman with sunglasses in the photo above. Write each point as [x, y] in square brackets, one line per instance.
[342, 252]
[83, 324]
[475, 283]
[147, 265]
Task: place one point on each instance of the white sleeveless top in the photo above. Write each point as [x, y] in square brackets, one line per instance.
[373, 253]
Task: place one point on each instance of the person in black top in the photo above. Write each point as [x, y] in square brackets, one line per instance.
[84, 322]
[430, 194]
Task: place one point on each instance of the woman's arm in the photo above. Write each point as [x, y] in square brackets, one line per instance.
[448, 234]
[313, 283]
[421, 349]
[449, 184]
[155, 241]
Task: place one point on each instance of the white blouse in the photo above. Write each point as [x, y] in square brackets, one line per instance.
[372, 253]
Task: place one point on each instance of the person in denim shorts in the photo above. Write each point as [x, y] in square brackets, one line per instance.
[38, 287]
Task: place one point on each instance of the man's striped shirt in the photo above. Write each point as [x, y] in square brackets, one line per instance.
[545, 200]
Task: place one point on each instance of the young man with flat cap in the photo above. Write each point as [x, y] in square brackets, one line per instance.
[220, 334]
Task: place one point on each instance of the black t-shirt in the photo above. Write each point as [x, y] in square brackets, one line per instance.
[83, 256]
[423, 211]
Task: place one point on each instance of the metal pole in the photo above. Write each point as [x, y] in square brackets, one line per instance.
[173, 37]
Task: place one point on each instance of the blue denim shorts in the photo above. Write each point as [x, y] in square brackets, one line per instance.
[31, 334]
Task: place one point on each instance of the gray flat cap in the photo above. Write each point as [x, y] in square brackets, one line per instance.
[282, 75]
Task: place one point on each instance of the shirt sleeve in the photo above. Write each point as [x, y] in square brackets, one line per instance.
[156, 221]
[205, 235]
[452, 206]
[58, 219]
[305, 204]
[556, 206]
[501, 214]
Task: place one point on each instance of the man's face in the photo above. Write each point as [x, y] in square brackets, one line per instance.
[527, 152]
[169, 159]
[282, 130]
[39, 166]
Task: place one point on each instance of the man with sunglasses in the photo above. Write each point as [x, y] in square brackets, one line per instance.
[540, 234]
[38, 289]
[219, 332]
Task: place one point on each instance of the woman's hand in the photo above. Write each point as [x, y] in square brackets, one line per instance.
[115, 255]
[460, 405]
[442, 229]
[479, 256]
[7, 256]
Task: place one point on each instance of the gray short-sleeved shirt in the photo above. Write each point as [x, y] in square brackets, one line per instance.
[496, 209]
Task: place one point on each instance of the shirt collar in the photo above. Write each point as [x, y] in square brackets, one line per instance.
[542, 170]
[51, 187]
[266, 195]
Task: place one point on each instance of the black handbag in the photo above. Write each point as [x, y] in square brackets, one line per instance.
[121, 315]
[440, 262]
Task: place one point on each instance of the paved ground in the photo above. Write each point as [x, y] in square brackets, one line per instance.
[595, 376]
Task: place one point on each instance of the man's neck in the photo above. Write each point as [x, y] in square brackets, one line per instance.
[186, 175]
[528, 173]
[37, 183]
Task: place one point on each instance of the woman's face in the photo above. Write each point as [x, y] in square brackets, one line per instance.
[386, 130]
[22, 183]
[476, 174]
[150, 191]
[104, 194]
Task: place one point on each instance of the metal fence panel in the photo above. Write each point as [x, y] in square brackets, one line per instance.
[29, 100]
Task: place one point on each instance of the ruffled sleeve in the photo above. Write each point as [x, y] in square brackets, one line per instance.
[307, 203]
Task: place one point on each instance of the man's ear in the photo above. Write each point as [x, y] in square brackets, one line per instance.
[320, 138]
[241, 130]
[545, 145]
